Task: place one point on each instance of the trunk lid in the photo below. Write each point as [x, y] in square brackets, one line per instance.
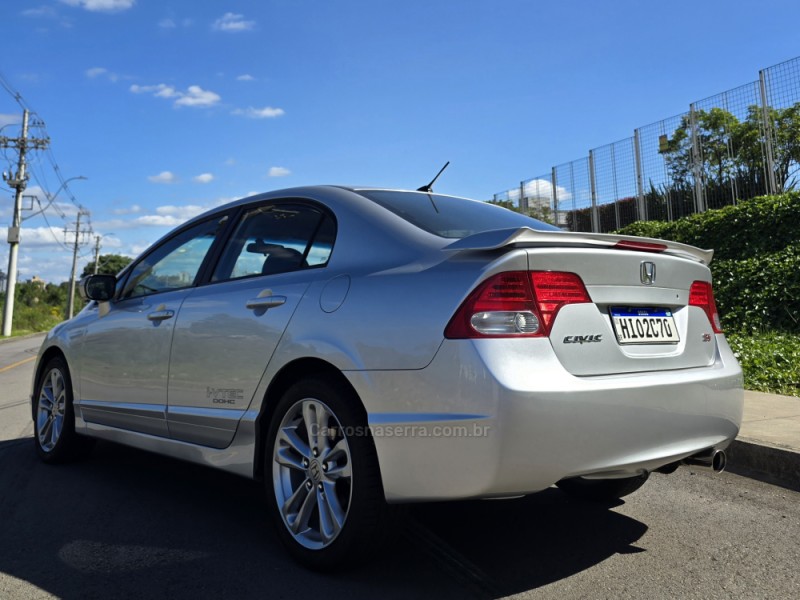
[625, 328]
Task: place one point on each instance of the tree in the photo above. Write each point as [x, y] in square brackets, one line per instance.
[542, 213]
[731, 152]
[510, 205]
[110, 264]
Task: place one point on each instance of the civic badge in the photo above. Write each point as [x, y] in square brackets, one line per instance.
[647, 273]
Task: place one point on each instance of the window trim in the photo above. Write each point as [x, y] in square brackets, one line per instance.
[208, 269]
[223, 235]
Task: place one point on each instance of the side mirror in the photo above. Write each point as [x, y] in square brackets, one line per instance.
[98, 287]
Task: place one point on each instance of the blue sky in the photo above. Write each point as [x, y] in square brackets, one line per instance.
[171, 107]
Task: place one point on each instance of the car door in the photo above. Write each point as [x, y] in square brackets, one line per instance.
[125, 349]
[229, 327]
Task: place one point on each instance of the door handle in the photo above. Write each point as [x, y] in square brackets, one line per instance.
[265, 302]
[160, 315]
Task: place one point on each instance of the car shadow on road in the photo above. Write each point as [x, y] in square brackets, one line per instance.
[526, 543]
[126, 523]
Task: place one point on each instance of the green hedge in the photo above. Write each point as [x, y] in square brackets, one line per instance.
[756, 271]
[756, 267]
[759, 293]
[751, 228]
[770, 361]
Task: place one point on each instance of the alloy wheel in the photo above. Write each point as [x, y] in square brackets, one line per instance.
[52, 407]
[312, 473]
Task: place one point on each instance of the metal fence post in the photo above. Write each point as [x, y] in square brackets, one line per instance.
[617, 219]
[523, 201]
[772, 184]
[553, 180]
[593, 187]
[637, 153]
[697, 164]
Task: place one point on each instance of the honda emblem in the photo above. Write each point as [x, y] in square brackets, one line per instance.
[647, 272]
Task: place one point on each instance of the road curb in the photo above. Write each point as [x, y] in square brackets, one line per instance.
[7, 340]
[771, 464]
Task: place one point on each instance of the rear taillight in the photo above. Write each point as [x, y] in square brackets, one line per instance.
[554, 290]
[516, 304]
[701, 294]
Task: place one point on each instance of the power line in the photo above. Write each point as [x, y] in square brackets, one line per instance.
[50, 229]
[78, 232]
[14, 93]
[18, 181]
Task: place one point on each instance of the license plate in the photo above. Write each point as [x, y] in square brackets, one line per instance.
[644, 326]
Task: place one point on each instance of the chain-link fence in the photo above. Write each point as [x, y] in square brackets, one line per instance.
[736, 145]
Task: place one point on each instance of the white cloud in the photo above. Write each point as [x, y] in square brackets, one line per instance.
[187, 211]
[96, 72]
[37, 237]
[232, 23]
[245, 77]
[259, 113]
[541, 189]
[108, 242]
[194, 95]
[278, 172]
[131, 210]
[158, 221]
[169, 215]
[169, 23]
[47, 12]
[102, 5]
[9, 119]
[161, 90]
[230, 162]
[163, 177]
[197, 96]
[203, 178]
[137, 248]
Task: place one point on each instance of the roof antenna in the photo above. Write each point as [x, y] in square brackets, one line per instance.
[429, 188]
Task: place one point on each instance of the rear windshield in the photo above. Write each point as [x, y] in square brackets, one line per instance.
[451, 217]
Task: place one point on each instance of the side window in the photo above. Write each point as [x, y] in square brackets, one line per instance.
[277, 238]
[174, 264]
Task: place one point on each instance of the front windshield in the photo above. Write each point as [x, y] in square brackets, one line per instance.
[451, 217]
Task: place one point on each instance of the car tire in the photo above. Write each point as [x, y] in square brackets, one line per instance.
[601, 490]
[54, 416]
[322, 476]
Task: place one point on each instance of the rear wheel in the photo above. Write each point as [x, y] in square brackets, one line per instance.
[54, 423]
[322, 474]
[601, 490]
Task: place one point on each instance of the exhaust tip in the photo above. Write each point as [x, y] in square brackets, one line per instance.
[719, 461]
[714, 459]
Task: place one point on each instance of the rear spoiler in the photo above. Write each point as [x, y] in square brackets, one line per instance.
[525, 237]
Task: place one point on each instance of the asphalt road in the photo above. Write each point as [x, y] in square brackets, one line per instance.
[128, 524]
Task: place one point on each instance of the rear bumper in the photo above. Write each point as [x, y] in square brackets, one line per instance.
[502, 417]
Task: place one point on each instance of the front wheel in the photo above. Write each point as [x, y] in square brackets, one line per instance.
[322, 476]
[54, 422]
[601, 490]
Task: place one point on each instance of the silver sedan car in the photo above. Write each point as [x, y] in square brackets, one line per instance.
[356, 348]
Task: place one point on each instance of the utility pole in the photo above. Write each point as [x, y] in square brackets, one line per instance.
[96, 252]
[18, 182]
[77, 231]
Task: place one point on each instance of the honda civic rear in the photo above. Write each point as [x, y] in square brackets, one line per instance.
[583, 359]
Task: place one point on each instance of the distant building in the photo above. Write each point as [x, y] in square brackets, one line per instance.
[38, 281]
